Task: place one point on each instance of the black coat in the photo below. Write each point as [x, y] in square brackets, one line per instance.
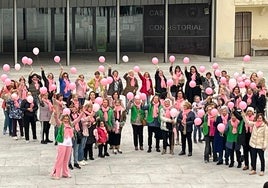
[189, 122]
[191, 92]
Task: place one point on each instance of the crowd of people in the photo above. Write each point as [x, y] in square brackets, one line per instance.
[225, 112]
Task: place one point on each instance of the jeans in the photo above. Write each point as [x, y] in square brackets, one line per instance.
[75, 152]
[197, 129]
[81, 148]
[167, 139]
[260, 152]
[7, 122]
[137, 135]
[230, 153]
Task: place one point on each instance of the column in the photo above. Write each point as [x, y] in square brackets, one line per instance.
[15, 31]
[212, 24]
[68, 31]
[117, 31]
[166, 32]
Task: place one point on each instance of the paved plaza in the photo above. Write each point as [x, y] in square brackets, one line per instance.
[29, 165]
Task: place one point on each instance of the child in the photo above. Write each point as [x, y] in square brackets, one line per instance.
[197, 105]
[90, 141]
[102, 138]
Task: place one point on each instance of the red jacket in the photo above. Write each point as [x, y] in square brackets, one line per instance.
[102, 135]
[143, 87]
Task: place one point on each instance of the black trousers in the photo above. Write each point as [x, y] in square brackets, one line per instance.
[157, 133]
[247, 150]
[88, 150]
[45, 130]
[260, 152]
[14, 127]
[167, 139]
[137, 135]
[209, 148]
[230, 152]
[187, 136]
[102, 149]
[27, 121]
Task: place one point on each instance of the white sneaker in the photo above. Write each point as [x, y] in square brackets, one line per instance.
[81, 163]
[27, 141]
[85, 162]
[15, 138]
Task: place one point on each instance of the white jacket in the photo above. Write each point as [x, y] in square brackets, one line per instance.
[259, 136]
[164, 120]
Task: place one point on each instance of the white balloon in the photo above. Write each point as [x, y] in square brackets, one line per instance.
[125, 58]
[17, 67]
[36, 51]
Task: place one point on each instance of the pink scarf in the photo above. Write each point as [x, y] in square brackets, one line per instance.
[36, 84]
[132, 80]
[234, 125]
[249, 128]
[67, 85]
[249, 99]
[178, 104]
[176, 77]
[97, 82]
[105, 112]
[184, 115]
[211, 120]
[68, 131]
[75, 116]
[155, 109]
[50, 106]
[163, 83]
[50, 83]
[258, 123]
[16, 103]
[83, 85]
[167, 110]
[224, 119]
[31, 105]
[224, 97]
[262, 91]
[118, 110]
[116, 78]
[148, 84]
[76, 103]
[238, 100]
[193, 77]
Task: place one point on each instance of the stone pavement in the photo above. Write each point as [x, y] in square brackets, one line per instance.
[29, 165]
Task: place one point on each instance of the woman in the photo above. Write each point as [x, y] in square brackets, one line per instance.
[178, 79]
[65, 86]
[117, 84]
[236, 96]
[95, 84]
[22, 88]
[160, 84]
[167, 123]
[258, 141]
[81, 89]
[250, 98]
[46, 109]
[34, 81]
[49, 81]
[189, 91]
[185, 122]
[131, 84]
[29, 108]
[137, 117]
[207, 82]
[146, 86]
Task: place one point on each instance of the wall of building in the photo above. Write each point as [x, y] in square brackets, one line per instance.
[225, 29]
[259, 34]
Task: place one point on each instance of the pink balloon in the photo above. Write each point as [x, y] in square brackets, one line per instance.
[110, 80]
[209, 91]
[172, 58]
[29, 99]
[99, 100]
[101, 59]
[253, 85]
[3, 77]
[173, 112]
[6, 67]
[214, 112]
[247, 82]
[30, 61]
[260, 74]
[239, 79]
[197, 121]
[143, 96]
[24, 60]
[169, 82]
[14, 96]
[53, 87]
[221, 127]
[155, 60]
[244, 76]
[236, 75]
[73, 70]
[66, 111]
[200, 113]
[215, 66]
[186, 60]
[17, 67]
[36, 51]
[223, 80]
[241, 84]
[72, 86]
[130, 95]
[96, 107]
[7, 82]
[217, 72]
[246, 58]
[202, 69]
[232, 83]
[57, 59]
[101, 68]
[104, 81]
[192, 84]
[136, 69]
[243, 105]
[43, 90]
[230, 105]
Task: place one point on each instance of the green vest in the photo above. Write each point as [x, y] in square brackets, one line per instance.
[60, 134]
[205, 125]
[150, 118]
[135, 112]
[110, 117]
[233, 137]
